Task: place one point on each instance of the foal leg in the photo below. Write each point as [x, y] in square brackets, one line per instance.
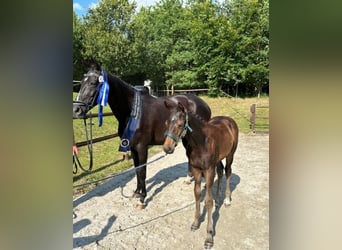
[189, 176]
[228, 170]
[197, 191]
[219, 170]
[188, 149]
[209, 204]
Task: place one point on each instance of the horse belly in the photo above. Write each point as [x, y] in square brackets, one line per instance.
[202, 160]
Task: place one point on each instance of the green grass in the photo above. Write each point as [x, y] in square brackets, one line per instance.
[239, 110]
[108, 161]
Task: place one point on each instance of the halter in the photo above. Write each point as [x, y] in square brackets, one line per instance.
[184, 130]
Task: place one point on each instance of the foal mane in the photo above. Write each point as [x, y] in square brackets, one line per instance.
[197, 117]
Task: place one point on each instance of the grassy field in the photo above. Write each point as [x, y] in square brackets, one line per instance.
[108, 161]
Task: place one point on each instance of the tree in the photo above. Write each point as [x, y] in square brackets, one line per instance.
[250, 20]
[180, 44]
[108, 35]
[77, 47]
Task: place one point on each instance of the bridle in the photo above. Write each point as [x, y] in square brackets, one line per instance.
[92, 102]
[185, 129]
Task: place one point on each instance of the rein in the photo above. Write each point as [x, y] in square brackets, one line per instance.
[185, 129]
[76, 161]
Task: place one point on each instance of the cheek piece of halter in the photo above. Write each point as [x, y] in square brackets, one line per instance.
[185, 129]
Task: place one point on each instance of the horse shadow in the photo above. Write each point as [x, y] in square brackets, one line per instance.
[83, 241]
[119, 181]
[165, 177]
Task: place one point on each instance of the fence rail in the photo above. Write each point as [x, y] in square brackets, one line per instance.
[98, 139]
[254, 117]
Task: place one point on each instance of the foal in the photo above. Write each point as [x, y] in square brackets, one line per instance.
[210, 142]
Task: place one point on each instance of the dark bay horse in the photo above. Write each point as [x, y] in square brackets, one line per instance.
[153, 115]
[211, 142]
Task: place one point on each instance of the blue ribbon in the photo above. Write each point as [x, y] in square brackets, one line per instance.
[102, 99]
[132, 124]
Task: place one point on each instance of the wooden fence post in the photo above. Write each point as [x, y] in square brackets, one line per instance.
[252, 119]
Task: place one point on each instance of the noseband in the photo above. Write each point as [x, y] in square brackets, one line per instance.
[186, 128]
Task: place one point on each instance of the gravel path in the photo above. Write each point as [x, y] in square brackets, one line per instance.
[105, 218]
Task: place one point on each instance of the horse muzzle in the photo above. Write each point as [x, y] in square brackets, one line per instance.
[169, 145]
[79, 110]
[168, 149]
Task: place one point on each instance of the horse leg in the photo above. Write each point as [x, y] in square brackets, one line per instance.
[228, 171]
[140, 158]
[209, 204]
[197, 192]
[189, 176]
[219, 170]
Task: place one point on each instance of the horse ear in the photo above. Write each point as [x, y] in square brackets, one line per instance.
[91, 64]
[169, 105]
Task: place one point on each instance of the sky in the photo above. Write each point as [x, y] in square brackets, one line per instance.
[81, 6]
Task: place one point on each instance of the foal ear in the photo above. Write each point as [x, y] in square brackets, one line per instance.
[181, 107]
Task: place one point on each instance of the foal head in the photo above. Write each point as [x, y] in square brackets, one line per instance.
[89, 91]
[177, 126]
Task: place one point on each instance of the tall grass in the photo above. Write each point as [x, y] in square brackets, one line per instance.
[108, 161]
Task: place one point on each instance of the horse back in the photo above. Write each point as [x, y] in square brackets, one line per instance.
[194, 104]
[224, 131]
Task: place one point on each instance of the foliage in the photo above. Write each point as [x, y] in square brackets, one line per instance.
[107, 34]
[180, 44]
[77, 47]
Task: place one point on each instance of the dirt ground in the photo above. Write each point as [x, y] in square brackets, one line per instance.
[105, 218]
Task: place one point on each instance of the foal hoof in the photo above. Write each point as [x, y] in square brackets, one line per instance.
[186, 182]
[208, 245]
[194, 228]
[140, 206]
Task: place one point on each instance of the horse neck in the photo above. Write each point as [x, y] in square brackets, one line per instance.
[197, 136]
[120, 98]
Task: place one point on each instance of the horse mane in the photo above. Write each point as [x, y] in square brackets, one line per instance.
[121, 82]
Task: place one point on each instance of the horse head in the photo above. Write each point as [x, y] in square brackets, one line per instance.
[89, 90]
[177, 125]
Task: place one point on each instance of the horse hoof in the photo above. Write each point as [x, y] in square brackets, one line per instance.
[208, 245]
[194, 228]
[140, 206]
[186, 182]
[136, 195]
[227, 202]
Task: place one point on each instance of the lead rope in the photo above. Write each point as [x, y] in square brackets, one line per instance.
[76, 161]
